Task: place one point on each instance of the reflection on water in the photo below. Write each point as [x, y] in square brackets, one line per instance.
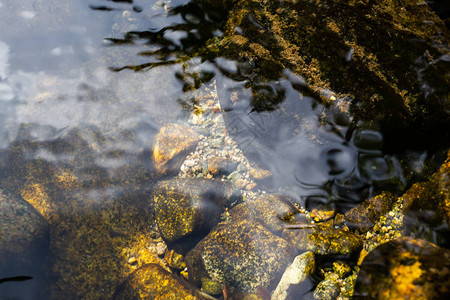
[85, 87]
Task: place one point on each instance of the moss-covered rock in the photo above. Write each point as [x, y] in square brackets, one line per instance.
[184, 207]
[172, 143]
[364, 215]
[274, 211]
[433, 195]
[327, 289]
[242, 255]
[323, 240]
[387, 56]
[405, 268]
[151, 281]
[24, 236]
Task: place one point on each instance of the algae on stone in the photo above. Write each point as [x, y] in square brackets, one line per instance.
[184, 207]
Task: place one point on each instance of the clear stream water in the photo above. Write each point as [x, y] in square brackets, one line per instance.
[59, 78]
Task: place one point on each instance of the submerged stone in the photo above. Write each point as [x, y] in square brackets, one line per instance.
[151, 281]
[433, 195]
[302, 266]
[24, 236]
[172, 143]
[273, 211]
[364, 215]
[184, 207]
[242, 255]
[405, 268]
[323, 241]
[327, 289]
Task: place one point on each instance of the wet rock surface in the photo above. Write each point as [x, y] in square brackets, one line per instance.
[405, 268]
[433, 195]
[364, 215]
[356, 65]
[241, 255]
[151, 281]
[184, 207]
[172, 143]
[322, 240]
[273, 211]
[24, 236]
[302, 266]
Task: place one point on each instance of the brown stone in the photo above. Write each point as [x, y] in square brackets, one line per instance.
[220, 166]
[173, 143]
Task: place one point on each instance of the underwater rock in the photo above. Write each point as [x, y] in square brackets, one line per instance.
[405, 268]
[273, 211]
[24, 236]
[184, 207]
[327, 289]
[151, 281]
[433, 195]
[172, 143]
[322, 213]
[221, 166]
[364, 215]
[302, 266]
[322, 240]
[242, 255]
[174, 260]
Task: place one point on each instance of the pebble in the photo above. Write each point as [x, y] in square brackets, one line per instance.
[189, 163]
[161, 248]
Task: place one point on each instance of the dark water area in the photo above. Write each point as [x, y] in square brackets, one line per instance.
[86, 85]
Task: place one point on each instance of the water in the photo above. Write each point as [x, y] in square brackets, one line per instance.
[84, 88]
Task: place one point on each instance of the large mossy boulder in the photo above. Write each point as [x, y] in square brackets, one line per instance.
[405, 268]
[241, 255]
[187, 207]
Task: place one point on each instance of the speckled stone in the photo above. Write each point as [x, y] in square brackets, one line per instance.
[405, 268]
[242, 255]
[327, 289]
[187, 206]
[24, 235]
[364, 215]
[273, 211]
[323, 241]
[151, 281]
